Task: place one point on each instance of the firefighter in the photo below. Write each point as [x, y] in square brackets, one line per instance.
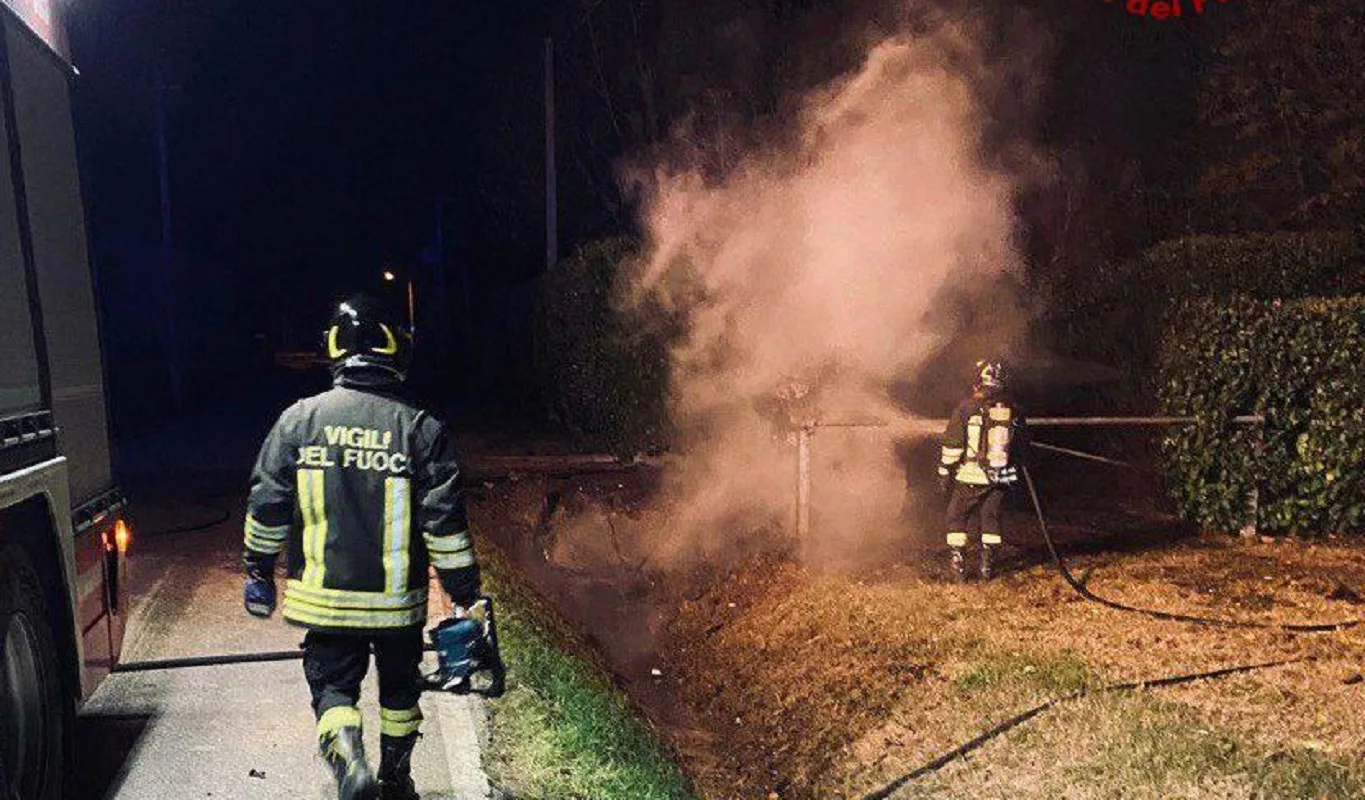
[979, 464]
[362, 490]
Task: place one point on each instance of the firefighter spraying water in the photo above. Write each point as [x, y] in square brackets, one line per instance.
[364, 488]
[978, 465]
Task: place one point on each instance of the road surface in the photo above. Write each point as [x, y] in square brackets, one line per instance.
[238, 731]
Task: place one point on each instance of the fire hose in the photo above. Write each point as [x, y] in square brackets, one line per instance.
[1080, 588]
[466, 645]
[1084, 591]
[1019, 719]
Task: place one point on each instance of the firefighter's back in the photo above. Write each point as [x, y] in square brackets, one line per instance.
[358, 458]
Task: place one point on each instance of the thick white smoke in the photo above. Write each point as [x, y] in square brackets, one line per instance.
[814, 275]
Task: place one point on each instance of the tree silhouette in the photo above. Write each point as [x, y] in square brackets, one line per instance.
[1282, 113]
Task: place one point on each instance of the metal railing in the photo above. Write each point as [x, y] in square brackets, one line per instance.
[921, 426]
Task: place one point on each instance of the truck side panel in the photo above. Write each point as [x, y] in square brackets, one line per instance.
[42, 111]
[20, 381]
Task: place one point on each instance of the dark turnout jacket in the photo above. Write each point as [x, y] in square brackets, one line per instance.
[363, 491]
[984, 442]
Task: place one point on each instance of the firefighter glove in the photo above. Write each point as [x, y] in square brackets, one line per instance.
[259, 596]
[463, 585]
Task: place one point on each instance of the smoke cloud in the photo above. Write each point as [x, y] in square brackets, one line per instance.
[818, 272]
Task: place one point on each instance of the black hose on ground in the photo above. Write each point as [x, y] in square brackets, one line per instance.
[216, 661]
[1019, 719]
[1084, 591]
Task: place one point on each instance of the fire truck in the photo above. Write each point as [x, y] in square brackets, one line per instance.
[63, 535]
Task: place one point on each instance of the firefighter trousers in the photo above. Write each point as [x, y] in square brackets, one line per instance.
[336, 663]
[974, 508]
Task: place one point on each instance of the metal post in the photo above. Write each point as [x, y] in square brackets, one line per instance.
[551, 178]
[803, 488]
[1249, 530]
[412, 309]
[1253, 507]
[167, 247]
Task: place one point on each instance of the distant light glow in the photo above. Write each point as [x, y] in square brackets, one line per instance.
[388, 275]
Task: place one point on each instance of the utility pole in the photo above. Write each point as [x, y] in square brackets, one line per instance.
[466, 298]
[551, 199]
[172, 344]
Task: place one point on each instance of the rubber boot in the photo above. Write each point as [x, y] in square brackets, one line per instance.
[344, 752]
[959, 559]
[987, 561]
[395, 768]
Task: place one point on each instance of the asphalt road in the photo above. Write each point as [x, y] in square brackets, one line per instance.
[238, 731]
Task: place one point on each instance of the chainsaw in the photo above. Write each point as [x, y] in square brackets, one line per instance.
[466, 645]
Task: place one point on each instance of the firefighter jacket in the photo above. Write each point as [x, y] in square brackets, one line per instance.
[983, 442]
[363, 491]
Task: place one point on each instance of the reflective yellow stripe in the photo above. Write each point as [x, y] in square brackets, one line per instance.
[259, 545]
[957, 539]
[991, 538]
[453, 551]
[400, 722]
[388, 535]
[305, 491]
[334, 719]
[307, 614]
[971, 472]
[276, 532]
[308, 509]
[397, 533]
[951, 455]
[313, 504]
[353, 599]
[453, 543]
[453, 560]
[320, 514]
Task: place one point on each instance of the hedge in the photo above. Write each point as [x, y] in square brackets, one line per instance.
[1300, 364]
[602, 368]
[1116, 316]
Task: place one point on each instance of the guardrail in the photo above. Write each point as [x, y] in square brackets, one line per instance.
[933, 427]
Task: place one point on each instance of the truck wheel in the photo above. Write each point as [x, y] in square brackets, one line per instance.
[36, 712]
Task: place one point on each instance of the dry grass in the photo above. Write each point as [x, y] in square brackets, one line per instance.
[823, 686]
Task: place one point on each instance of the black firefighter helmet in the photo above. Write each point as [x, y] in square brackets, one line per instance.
[364, 333]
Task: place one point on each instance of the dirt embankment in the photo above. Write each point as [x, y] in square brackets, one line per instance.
[773, 680]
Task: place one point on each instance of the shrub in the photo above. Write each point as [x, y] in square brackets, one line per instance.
[1116, 317]
[603, 368]
[1300, 364]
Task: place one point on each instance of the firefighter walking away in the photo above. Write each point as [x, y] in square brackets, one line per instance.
[978, 465]
[361, 490]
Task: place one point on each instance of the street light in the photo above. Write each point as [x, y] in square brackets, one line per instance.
[390, 277]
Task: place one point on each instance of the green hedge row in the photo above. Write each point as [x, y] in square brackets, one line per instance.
[602, 369]
[1301, 363]
[1116, 315]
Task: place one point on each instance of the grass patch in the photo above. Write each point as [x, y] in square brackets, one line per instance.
[1160, 745]
[1060, 674]
[562, 731]
[1165, 749]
